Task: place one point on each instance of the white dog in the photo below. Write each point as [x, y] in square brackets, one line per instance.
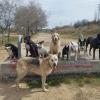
[41, 67]
[73, 47]
[55, 44]
[42, 50]
[70, 47]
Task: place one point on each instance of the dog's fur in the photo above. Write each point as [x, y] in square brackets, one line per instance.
[82, 45]
[55, 44]
[42, 50]
[30, 47]
[95, 44]
[12, 50]
[43, 68]
[88, 41]
[68, 48]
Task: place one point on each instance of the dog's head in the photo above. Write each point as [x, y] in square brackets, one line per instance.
[40, 44]
[53, 60]
[82, 43]
[27, 39]
[55, 37]
[66, 47]
[8, 47]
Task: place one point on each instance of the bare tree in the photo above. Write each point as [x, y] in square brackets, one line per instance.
[7, 11]
[30, 18]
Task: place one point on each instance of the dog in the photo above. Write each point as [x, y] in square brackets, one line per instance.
[82, 45]
[31, 47]
[41, 50]
[42, 67]
[12, 51]
[88, 41]
[95, 44]
[55, 44]
[68, 48]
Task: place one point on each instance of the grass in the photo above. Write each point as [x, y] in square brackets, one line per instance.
[13, 39]
[71, 32]
[76, 80]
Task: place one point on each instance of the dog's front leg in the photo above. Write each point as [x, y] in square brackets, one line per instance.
[84, 52]
[76, 55]
[26, 52]
[43, 78]
[69, 55]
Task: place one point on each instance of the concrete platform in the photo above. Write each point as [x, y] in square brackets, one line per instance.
[8, 68]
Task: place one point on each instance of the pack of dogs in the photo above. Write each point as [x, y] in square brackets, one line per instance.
[42, 62]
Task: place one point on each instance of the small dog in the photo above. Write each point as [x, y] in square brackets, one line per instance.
[41, 50]
[82, 45]
[12, 51]
[70, 47]
[65, 51]
[55, 44]
[41, 67]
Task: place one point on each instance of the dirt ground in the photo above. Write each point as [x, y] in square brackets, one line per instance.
[62, 92]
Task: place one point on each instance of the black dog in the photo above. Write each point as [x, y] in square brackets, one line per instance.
[95, 44]
[88, 41]
[31, 47]
[65, 51]
[12, 50]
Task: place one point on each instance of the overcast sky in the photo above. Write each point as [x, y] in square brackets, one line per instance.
[64, 12]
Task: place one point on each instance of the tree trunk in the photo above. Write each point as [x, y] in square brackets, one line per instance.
[27, 29]
[2, 38]
[8, 36]
[36, 29]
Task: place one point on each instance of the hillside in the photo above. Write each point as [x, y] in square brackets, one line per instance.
[87, 30]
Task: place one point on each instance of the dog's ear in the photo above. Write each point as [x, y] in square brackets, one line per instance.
[52, 37]
[50, 55]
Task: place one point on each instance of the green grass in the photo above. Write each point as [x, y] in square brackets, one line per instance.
[75, 80]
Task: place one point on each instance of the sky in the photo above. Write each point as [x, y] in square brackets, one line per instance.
[67, 12]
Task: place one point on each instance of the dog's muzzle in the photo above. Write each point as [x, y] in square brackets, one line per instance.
[82, 48]
[55, 39]
[54, 66]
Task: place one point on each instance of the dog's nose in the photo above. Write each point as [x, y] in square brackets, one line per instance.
[82, 48]
[55, 64]
[56, 38]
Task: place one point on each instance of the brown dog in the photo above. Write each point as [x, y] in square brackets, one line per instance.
[41, 67]
[55, 44]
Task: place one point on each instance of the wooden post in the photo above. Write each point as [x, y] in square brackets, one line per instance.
[19, 45]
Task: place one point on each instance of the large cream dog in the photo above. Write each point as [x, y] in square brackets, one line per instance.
[55, 44]
[41, 67]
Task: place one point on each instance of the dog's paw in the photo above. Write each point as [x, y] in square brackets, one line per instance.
[45, 90]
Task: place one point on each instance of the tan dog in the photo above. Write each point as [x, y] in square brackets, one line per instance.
[41, 67]
[55, 44]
